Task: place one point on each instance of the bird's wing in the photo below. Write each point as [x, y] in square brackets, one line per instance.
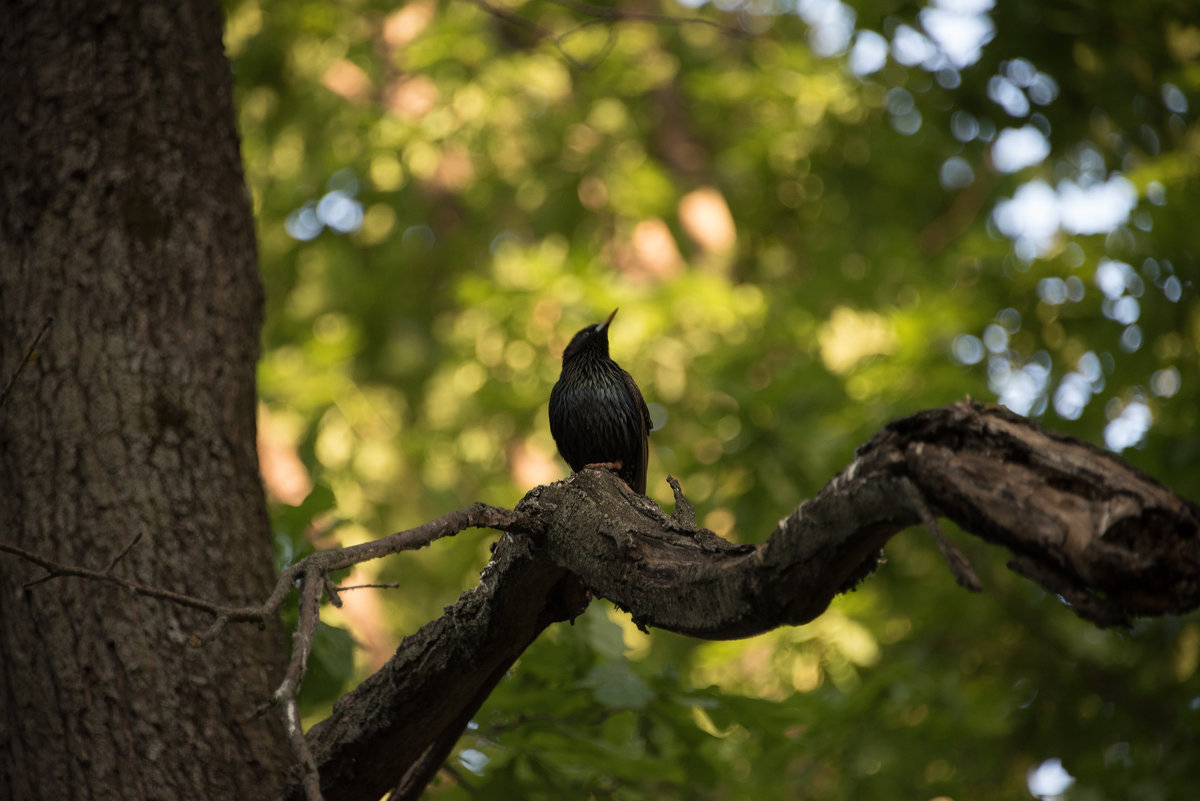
[636, 393]
[639, 401]
[639, 483]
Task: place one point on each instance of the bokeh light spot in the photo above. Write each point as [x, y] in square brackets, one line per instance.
[967, 349]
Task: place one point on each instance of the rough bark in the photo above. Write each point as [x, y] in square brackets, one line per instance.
[1105, 537]
[125, 217]
[397, 728]
[128, 442]
[1110, 540]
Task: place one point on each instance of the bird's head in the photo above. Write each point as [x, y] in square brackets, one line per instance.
[593, 339]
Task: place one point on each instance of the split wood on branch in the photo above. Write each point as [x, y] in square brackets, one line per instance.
[1097, 532]
[1108, 539]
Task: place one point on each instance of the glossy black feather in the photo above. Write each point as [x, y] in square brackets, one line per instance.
[597, 413]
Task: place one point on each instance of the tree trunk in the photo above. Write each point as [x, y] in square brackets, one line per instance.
[129, 436]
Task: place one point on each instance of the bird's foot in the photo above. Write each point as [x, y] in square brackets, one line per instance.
[603, 466]
[613, 466]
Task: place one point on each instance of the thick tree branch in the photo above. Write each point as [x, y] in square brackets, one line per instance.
[396, 729]
[1102, 535]
[1097, 532]
[1113, 542]
[1086, 525]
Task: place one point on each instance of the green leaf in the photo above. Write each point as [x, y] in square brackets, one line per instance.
[330, 666]
[603, 635]
[292, 525]
[614, 684]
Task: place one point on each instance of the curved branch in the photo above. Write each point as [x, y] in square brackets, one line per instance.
[1086, 525]
[1105, 537]
[1102, 535]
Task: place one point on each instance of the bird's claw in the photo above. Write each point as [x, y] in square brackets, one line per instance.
[603, 466]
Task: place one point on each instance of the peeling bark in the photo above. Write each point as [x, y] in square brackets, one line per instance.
[1083, 523]
[1106, 538]
[1113, 542]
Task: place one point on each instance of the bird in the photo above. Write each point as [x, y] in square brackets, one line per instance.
[598, 417]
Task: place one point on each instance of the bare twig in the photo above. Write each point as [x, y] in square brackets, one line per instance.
[332, 591]
[392, 586]
[610, 41]
[312, 572]
[121, 555]
[479, 515]
[311, 588]
[58, 570]
[515, 19]
[964, 574]
[610, 14]
[601, 15]
[12, 379]
[461, 780]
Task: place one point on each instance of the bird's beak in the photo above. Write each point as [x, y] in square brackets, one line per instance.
[609, 320]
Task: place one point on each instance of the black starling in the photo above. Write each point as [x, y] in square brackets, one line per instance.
[597, 415]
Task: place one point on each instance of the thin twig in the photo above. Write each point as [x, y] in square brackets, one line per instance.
[537, 31]
[311, 588]
[601, 15]
[332, 591]
[512, 18]
[461, 780]
[610, 42]
[58, 570]
[12, 379]
[313, 574]
[479, 515]
[116, 559]
[964, 574]
[609, 14]
[344, 588]
[311, 780]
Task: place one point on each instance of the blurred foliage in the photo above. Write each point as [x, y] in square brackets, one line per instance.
[804, 242]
